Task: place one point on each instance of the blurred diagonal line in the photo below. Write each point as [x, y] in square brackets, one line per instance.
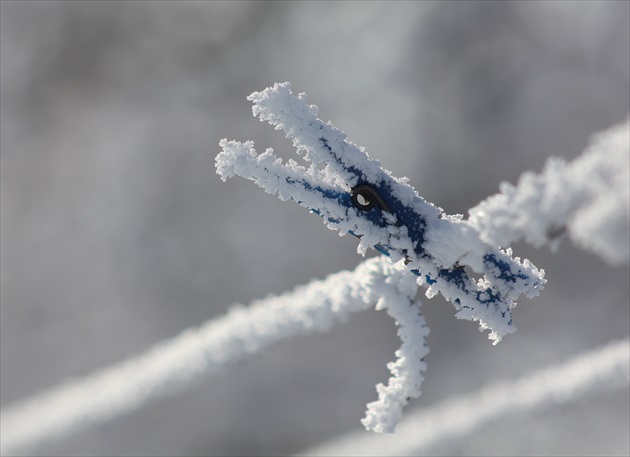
[174, 363]
[603, 369]
[588, 198]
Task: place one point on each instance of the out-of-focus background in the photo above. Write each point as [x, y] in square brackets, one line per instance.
[117, 233]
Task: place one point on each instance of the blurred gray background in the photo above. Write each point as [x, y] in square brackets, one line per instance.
[117, 232]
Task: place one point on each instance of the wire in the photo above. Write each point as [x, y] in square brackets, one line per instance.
[602, 369]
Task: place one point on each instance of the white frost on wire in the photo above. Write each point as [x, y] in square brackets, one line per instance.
[173, 364]
[383, 415]
[601, 370]
[588, 199]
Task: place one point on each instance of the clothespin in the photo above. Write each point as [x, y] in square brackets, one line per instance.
[355, 195]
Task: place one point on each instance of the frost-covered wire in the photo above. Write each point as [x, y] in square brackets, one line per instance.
[588, 199]
[173, 364]
[600, 370]
[383, 415]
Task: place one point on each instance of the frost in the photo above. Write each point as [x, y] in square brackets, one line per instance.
[173, 364]
[460, 259]
[481, 281]
[599, 370]
[383, 415]
[587, 199]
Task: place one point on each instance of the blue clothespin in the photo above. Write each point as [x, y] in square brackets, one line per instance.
[355, 195]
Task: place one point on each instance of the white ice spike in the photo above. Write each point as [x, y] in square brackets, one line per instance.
[355, 195]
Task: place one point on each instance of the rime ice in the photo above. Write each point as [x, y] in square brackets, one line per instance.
[588, 198]
[482, 281]
[244, 330]
[445, 252]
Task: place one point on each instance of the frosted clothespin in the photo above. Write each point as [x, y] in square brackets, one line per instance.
[356, 196]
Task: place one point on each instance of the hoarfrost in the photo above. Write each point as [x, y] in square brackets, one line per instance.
[173, 364]
[441, 250]
[587, 199]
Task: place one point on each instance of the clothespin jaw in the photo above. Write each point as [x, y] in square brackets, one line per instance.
[355, 195]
